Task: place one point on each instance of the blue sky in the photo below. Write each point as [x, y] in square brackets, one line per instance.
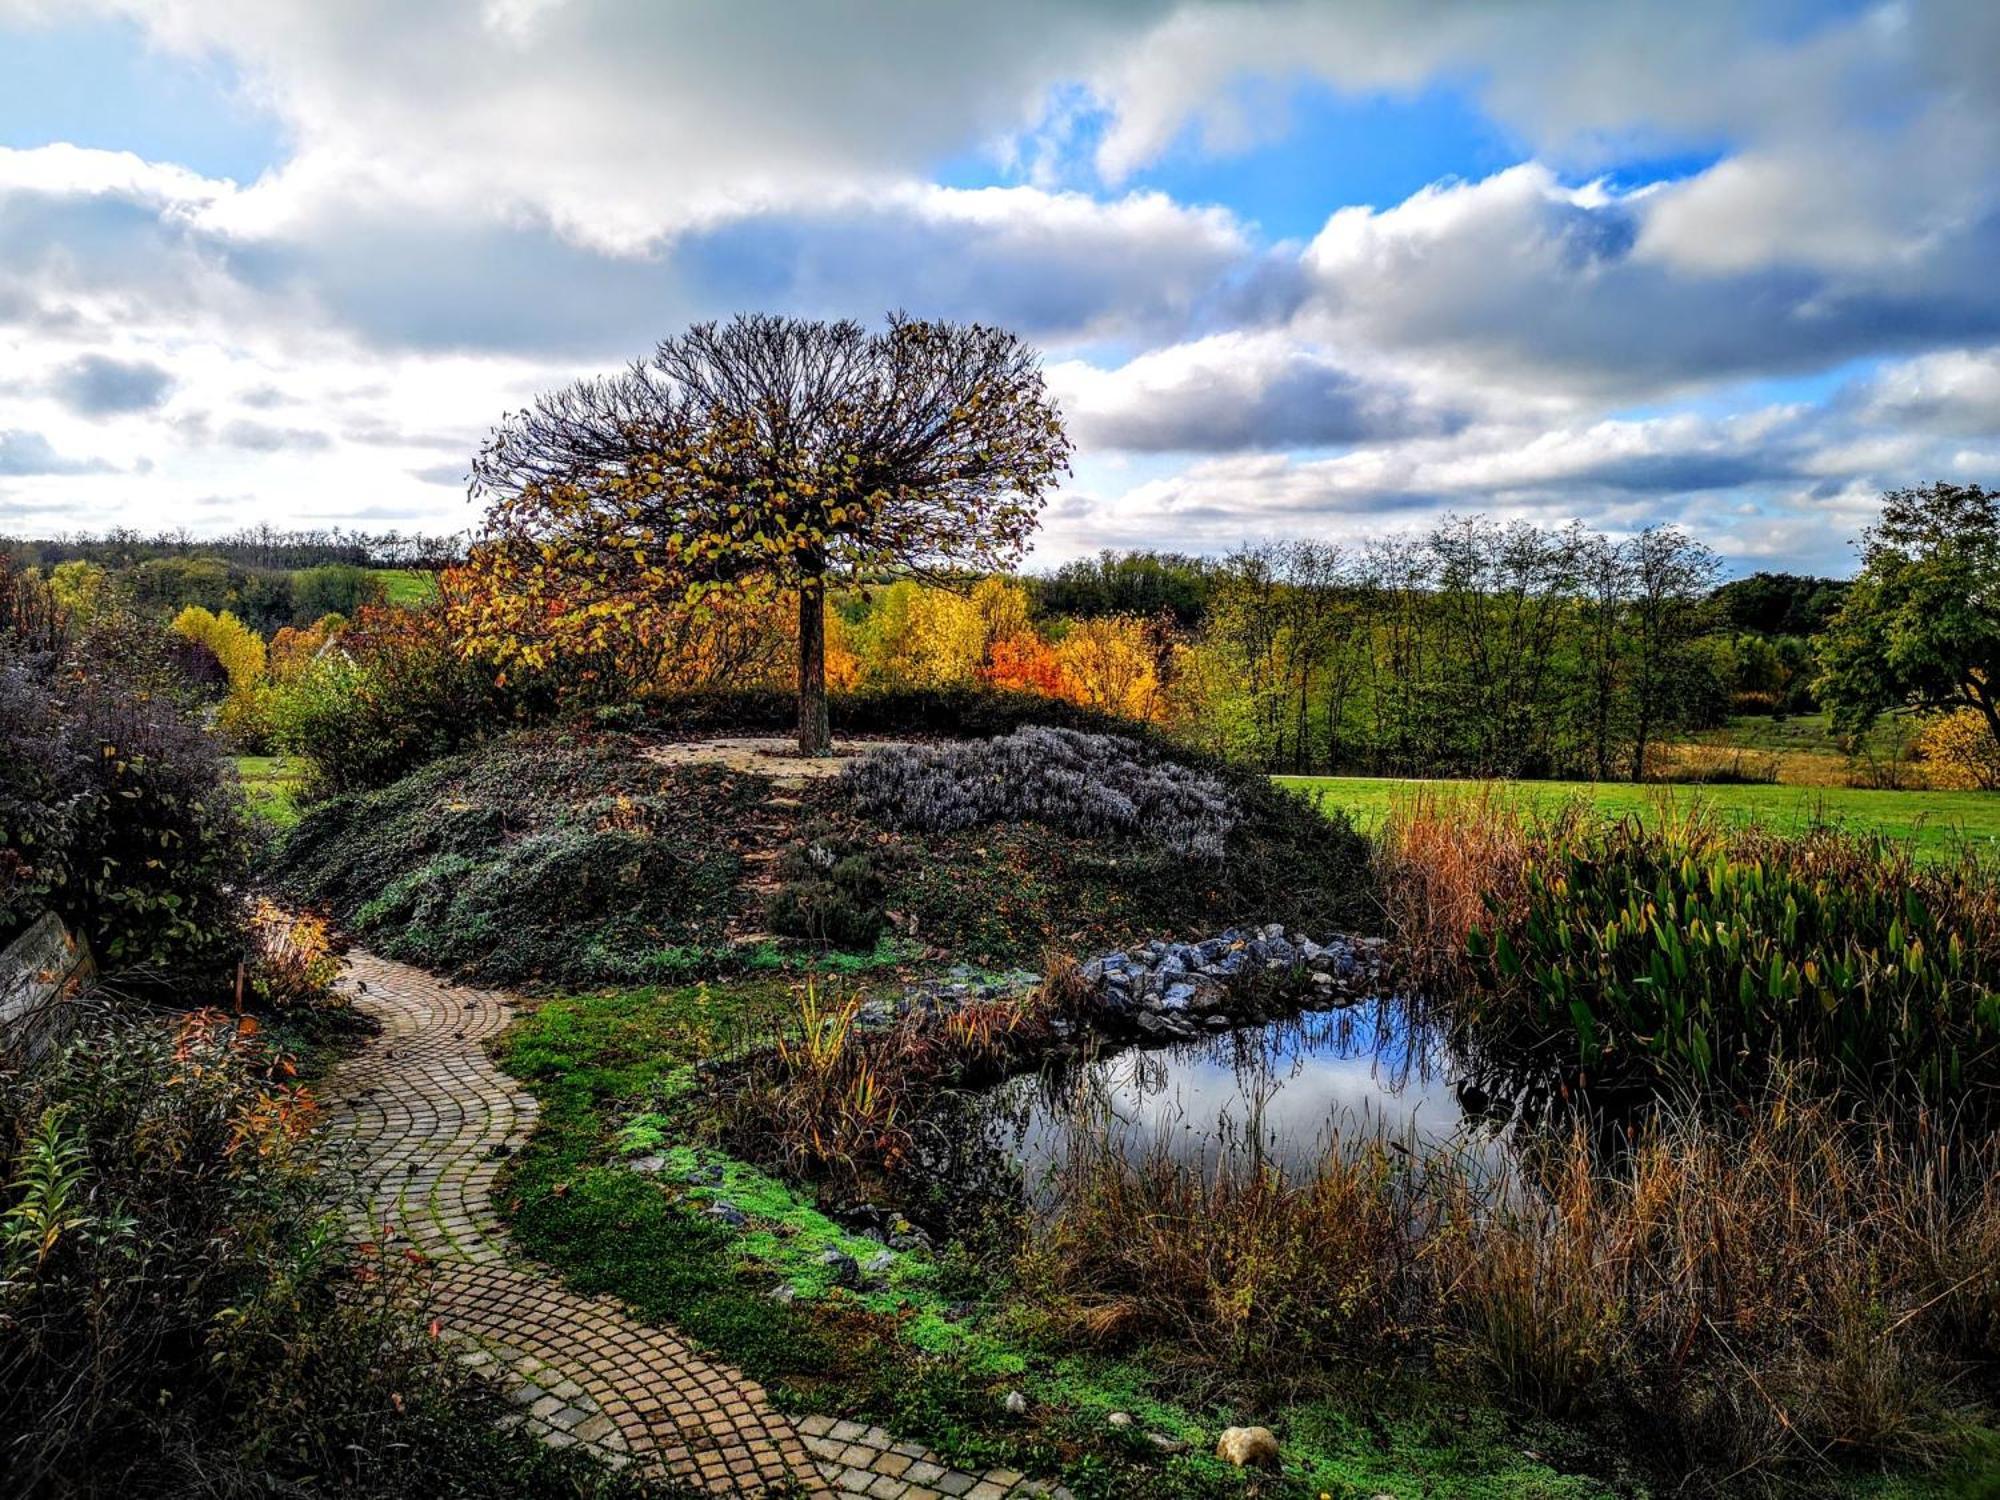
[1297, 268]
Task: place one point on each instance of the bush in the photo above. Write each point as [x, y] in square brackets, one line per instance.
[392, 696]
[927, 713]
[540, 856]
[178, 1312]
[831, 894]
[1085, 785]
[122, 815]
[1960, 751]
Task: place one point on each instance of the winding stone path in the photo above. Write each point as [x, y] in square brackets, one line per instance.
[432, 1118]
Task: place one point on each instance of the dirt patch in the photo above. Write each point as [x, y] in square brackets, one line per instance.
[767, 755]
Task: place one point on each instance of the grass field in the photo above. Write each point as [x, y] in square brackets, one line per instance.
[268, 781]
[407, 587]
[1937, 821]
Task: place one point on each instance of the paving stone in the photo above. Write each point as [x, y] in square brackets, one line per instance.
[431, 1118]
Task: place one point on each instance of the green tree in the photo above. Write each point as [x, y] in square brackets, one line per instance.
[771, 455]
[333, 589]
[1921, 625]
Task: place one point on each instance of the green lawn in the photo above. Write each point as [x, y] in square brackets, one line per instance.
[1937, 821]
[407, 588]
[268, 781]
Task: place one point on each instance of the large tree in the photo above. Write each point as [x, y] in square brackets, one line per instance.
[1920, 626]
[771, 455]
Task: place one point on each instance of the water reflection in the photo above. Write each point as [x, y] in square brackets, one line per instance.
[1285, 1092]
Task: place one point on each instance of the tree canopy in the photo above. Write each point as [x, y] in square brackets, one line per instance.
[760, 456]
[1920, 626]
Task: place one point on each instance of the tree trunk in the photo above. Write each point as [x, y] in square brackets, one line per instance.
[815, 733]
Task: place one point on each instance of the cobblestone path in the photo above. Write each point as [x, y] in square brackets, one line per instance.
[433, 1118]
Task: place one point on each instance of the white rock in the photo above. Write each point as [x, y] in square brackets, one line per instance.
[1246, 1447]
[1016, 1404]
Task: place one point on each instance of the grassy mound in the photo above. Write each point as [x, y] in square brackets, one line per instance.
[537, 857]
[575, 861]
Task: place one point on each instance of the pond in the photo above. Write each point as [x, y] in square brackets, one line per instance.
[1286, 1090]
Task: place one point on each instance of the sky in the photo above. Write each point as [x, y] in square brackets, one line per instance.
[1329, 269]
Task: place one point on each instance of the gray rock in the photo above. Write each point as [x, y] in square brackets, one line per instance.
[1120, 1419]
[729, 1213]
[650, 1165]
[784, 1294]
[1016, 1404]
[879, 1262]
[846, 1269]
[1274, 929]
[1177, 997]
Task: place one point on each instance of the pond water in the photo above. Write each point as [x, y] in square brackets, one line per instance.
[1286, 1090]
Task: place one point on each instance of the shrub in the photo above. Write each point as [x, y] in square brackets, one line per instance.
[1086, 785]
[831, 894]
[392, 696]
[179, 1313]
[1960, 751]
[121, 814]
[238, 648]
[540, 856]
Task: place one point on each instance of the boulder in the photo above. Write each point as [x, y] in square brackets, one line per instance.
[1248, 1447]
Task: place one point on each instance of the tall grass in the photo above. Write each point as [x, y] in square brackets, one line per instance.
[1677, 950]
[1793, 1286]
[828, 1093]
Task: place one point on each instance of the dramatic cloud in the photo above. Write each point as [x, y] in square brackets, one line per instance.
[1740, 271]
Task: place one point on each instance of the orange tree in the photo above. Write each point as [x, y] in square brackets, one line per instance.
[766, 455]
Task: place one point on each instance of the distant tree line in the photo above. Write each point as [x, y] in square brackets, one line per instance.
[264, 547]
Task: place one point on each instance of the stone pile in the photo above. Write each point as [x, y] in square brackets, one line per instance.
[1173, 991]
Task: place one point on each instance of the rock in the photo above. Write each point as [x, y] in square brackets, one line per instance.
[649, 1165]
[1177, 997]
[729, 1213]
[879, 1262]
[1310, 951]
[1016, 1404]
[1248, 1447]
[1120, 1419]
[1273, 930]
[784, 1294]
[846, 1269]
[1280, 951]
[1166, 1444]
[1322, 978]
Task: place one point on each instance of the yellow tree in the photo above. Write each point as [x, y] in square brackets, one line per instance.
[239, 648]
[770, 455]
[1109, 663]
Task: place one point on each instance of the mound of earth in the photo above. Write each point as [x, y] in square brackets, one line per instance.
[576, 861]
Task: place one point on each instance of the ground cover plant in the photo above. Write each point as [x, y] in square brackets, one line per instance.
[1082, 784]
[540, 857]
[1055, 838]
